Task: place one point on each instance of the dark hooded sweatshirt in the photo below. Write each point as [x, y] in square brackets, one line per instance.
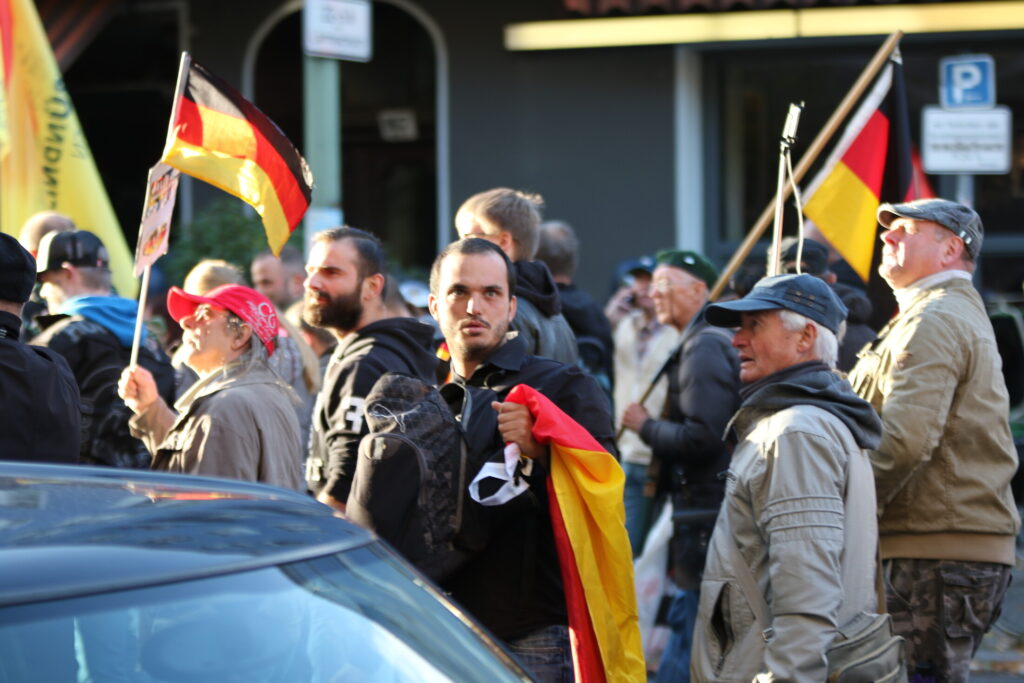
[539, 318]
[393, 344]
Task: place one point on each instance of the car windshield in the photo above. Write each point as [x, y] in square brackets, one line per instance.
[353, 616]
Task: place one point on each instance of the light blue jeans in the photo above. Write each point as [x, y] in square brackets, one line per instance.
[546, 654]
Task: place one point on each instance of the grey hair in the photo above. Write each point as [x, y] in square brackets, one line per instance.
[826, 344]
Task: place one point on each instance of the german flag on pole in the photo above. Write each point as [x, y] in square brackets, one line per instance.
[218, 136]
[588, 519]
[872, 163]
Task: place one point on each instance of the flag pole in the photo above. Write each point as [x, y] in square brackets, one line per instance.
[143, 293]
[809, 157]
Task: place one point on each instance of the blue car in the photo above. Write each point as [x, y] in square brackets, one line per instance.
[114, 575]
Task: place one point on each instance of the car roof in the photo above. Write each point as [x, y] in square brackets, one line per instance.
[76, 530]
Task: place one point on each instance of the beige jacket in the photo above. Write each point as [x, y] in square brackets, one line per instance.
[944, 466]
[238, 424]
[784, 509]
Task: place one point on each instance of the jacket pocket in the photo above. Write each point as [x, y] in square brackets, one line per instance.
[968, 602]
[715, 632]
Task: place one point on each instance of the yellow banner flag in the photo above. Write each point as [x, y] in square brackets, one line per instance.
[48, 165]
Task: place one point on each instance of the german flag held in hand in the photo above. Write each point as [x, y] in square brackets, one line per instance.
[218, 136]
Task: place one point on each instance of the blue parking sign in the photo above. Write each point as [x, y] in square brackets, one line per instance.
[967, 82]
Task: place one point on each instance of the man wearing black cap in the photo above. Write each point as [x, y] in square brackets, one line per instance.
[943, 470]
[811, 257]
[795, 533]
[93, 330]
[40, 416]
[689, 454]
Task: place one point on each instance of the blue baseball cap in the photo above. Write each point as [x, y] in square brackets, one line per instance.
[803, 294]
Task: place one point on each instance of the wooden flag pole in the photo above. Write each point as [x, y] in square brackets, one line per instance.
[809, 157]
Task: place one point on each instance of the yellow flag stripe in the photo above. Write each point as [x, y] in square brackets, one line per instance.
[227, 134]
[597, 528]
[843, 208]
[242, 178]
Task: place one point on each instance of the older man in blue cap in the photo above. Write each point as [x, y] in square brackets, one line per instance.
[789, 537]
[942, 472]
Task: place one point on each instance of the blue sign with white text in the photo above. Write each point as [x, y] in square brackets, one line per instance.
[967, 82]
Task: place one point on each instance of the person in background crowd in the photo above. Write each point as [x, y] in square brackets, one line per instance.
[237, 420]
[32, 232]
[689, 454]
[514, 585]
[345, 282]
[799, 465]
[943, 469]
[511, 219]
[41, 418]
[814, 261]
[559, 250]
[93, 329]
[320, 340]
[279, 278]
[642, 345]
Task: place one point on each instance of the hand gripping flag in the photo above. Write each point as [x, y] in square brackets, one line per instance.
[46, 163]
[588, 519]
[218, 136]
[873, 162]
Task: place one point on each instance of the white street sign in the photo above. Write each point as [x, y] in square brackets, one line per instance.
[339, 29]
[966, 142]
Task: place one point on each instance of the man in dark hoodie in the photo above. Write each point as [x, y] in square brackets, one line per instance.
[511, 219]
[345, 280]
[93, 329]
[37, 391]
[797, 515]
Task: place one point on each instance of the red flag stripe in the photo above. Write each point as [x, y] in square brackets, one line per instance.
[866, 156]
[290, 195]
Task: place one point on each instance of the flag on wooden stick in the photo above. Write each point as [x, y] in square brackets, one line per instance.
[872, 163]
[218, 136]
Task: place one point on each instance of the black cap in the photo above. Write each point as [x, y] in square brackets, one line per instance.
[17, 270]
[77, 247]
[803, 294]
[814, 256]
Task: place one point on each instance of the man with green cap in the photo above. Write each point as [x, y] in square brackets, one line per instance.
[686, 437]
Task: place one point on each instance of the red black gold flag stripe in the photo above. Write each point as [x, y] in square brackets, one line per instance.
[872, 163]
[588, 522]
[218, 136]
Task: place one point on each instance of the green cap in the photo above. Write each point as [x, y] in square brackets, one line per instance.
[690, 261]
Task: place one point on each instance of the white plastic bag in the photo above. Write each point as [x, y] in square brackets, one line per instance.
[650, 576]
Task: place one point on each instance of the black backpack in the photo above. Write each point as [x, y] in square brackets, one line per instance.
[415, 466]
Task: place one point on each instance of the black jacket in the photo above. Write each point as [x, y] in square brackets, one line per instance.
[703, 394]
[514, 585]
[97, 356]
[393, 344]
[40, 419]
[539, 318]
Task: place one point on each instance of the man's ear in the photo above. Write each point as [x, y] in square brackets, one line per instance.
[242, 338]
[807, 338]
[373, 286]
[512, 309]
[432, 305]
[507, 244]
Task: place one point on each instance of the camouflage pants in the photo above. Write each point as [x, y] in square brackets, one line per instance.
[943, 608]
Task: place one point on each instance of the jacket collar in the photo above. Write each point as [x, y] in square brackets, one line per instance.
[10, 325]
[509, 357]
